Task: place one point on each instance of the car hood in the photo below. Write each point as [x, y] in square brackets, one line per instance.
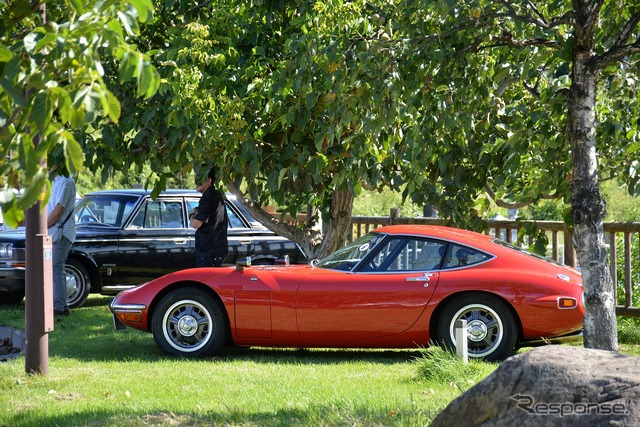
[226, 275]
[16, 237]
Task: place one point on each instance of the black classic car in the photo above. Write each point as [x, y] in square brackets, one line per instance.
[126, 238]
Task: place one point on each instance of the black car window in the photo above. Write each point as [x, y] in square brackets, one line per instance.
[460, 256]
[235, 221]
[408, 254]
[171, 215]
[105, 209]
[159, 214]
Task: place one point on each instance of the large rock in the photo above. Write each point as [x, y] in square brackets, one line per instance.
[553, 386]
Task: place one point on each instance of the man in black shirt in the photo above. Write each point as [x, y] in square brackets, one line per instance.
[210, 221]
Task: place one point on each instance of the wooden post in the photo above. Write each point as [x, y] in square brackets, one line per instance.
[395, 213]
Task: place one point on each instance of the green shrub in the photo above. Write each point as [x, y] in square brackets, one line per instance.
[445, 366]
[628, 330]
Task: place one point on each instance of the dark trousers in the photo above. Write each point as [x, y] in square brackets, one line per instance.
[206, 260]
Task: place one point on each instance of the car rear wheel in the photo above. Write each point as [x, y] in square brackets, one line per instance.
[188, 322]
[491, 327]
[78, 283]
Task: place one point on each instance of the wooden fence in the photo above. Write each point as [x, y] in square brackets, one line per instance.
[622, 240]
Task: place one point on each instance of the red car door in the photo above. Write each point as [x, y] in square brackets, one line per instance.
[351, 306]
[347, 306]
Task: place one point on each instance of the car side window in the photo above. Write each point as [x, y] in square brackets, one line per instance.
[461, 256]
[234, 219]
[104, 210]
[408, 255]
[159, 214]
[171, 215]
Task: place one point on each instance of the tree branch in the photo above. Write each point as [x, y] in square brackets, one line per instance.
[621, 49]
[309, 237]
[508, 205]
[198, 6]
[628, 29]
[541, 21]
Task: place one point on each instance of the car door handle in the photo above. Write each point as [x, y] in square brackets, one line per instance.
[424, 278]
[245, 242]
[180, 241]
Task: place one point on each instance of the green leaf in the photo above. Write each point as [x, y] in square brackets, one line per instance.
[74, 156]
[5, 53]
[128, 22]
[114, 109]
[42, 110]
[146, 75]
[62, 100]
[311, 99]
[144, 9]
[31, 194]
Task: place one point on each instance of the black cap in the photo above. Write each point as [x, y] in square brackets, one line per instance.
[202, 176]
[212, 173]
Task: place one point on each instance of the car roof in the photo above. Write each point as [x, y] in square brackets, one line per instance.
[145, 192]
[438, 232]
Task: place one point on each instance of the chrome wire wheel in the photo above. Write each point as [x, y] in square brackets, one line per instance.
[187, 326]
[484, 329]
[190, 322]
[492, 328]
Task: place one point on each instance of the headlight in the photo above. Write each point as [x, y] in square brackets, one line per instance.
[6, 250]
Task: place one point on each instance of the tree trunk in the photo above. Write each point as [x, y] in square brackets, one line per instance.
[338, 231]
[589, 208]
[314, 240]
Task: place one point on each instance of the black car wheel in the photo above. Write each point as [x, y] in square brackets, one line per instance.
[188, 322]
[78, 283]
[491, 328]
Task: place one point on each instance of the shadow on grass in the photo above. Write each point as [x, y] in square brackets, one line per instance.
[312, 415]
[88, 334]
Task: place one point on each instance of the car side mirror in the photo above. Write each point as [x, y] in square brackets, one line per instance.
[243, 263]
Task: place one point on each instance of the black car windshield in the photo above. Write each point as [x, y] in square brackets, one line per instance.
[347, 258]
[105, 209]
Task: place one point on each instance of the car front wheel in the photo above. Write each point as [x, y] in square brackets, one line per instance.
[491, 328]
[189, 322]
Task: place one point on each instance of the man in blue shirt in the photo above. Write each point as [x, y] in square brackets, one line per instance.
[62, 225]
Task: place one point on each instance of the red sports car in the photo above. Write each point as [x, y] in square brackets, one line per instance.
[399, 286]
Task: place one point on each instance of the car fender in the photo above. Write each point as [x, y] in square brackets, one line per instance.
[92, 268]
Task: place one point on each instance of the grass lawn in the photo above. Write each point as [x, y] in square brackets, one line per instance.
[99, 377]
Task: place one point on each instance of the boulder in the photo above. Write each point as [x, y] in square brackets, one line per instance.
[552, 386]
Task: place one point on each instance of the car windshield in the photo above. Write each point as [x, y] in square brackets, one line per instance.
[103, 209]
[347, 258]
